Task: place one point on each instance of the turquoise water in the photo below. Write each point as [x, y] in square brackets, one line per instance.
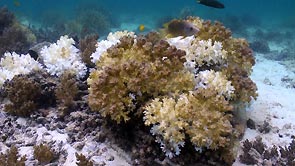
[268, 12]
[82, 17]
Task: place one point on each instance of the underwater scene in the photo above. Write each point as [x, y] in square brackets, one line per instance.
[147, 83]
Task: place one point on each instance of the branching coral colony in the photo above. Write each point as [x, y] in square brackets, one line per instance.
[185, 88]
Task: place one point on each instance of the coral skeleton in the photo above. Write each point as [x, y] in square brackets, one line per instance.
[61, 56]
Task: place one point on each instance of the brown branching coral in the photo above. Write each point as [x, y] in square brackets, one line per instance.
[23, 94]
[87, 47]
[131, 72]
[256, 152]
[27, 93]
[44, 154]
[66, 93]
[83, 161]
[11, 158]
[240, 58]
[13, 36]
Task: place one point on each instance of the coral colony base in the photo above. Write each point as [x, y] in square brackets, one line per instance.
[182, 95]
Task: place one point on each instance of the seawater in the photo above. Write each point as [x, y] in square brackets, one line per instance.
[267, 11]
[239, 15]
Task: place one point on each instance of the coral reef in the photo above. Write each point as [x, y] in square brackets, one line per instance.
[132, 72]
[44, 154]
[66, 93]
[11, 158]
[185, 88]
[61, 56]
[14, 37]
[257, 153]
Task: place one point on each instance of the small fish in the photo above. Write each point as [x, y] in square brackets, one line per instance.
[141, 27]
[211, 3]
[181, 28]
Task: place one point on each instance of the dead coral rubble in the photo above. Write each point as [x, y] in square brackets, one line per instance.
[256, 152]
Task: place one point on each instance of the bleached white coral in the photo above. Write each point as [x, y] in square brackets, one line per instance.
[199, 52]
[112, 39]
[209, 79]
[12, 64]
[61, 56]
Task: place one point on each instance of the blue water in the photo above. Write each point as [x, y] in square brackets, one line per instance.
[238, 14]
[265, 10]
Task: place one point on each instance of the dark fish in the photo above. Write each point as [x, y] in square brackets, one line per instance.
[181, 28]
[211, 3]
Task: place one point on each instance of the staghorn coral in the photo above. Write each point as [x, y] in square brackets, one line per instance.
[14, 37]
[61, 56]
[199, 114]
[66, 93]
[131, 72]
[11, 158]
[44, 154]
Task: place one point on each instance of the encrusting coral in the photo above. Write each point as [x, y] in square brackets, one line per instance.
[11, 158]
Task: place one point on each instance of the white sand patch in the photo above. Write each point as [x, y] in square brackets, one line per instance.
[275, 104]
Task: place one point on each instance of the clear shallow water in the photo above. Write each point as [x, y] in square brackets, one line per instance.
[243, 17]
[270, 11]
